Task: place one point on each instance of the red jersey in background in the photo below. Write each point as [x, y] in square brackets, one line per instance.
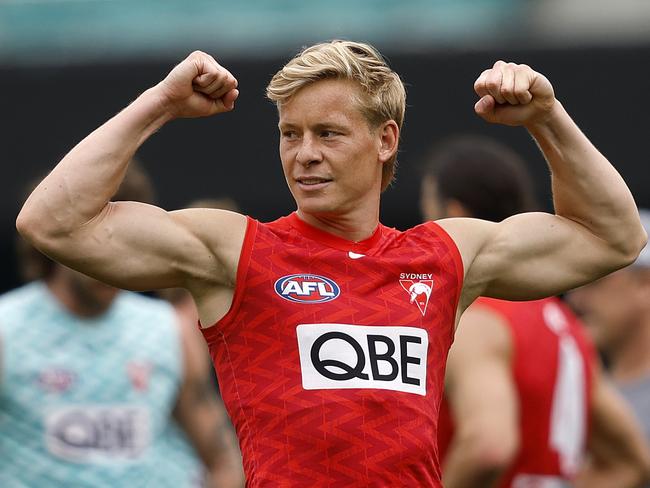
[552, 367]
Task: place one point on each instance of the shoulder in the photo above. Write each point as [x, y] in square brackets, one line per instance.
[286, 231]
[468, 234]
[25, 313]
[22, 298]
[430, 234]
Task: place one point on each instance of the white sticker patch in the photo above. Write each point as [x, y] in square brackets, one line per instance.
[97, 433]
[335, 356]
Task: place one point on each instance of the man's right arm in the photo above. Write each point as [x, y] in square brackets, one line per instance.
[619, 454]
[132, 245]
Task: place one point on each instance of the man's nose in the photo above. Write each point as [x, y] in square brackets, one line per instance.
[309, 152]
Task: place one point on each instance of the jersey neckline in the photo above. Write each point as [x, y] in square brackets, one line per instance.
[332, 240]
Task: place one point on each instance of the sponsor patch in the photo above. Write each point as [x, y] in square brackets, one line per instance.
[307, 288]
[336, 356]
[97, 433]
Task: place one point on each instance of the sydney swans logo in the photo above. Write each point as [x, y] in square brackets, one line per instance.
[418, 286]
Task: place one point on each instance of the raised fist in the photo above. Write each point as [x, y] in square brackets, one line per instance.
[197, 87]
[513, 94]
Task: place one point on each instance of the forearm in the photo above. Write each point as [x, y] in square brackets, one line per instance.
[89, 175]
[206, 423]
[587, 189]
[217, 447]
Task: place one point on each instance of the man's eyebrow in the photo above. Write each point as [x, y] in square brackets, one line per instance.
[329, 125]
[316, 127]
[286, 125]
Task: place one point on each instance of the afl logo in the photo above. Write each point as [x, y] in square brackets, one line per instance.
[306, 288]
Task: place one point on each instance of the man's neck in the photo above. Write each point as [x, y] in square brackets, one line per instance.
[68, 299]
[354, 226]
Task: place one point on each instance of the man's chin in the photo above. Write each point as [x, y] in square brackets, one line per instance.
[317, 206]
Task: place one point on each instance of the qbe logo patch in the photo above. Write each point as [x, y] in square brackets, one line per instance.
[335, 356]
[97, 433]
[307, 288]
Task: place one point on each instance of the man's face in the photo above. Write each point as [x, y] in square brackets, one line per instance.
[330, 155]
[611, 307]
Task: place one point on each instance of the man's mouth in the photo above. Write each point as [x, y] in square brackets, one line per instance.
[312, 182]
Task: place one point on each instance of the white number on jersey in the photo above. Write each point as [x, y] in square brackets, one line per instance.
[568, 424]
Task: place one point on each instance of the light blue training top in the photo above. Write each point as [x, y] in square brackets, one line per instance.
[88, 402]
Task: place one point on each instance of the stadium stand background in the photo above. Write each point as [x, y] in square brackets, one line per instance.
[68, 65]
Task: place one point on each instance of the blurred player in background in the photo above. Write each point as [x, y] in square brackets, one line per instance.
[523, 389]
[329, 331]
[617, 310]
[102, 388]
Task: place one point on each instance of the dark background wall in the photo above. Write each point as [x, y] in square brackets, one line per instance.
[46, 110]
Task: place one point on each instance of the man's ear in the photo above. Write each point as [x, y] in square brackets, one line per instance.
[388, 140]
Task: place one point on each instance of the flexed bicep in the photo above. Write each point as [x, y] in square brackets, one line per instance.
[527, 256]
[141, 247]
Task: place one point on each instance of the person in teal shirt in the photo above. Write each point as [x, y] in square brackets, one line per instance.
[103, 388]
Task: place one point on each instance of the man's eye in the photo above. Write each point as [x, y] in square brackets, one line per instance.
[328, 133]
[289, 134]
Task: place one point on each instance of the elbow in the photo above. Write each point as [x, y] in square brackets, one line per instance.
[26, 226]
[491, 453]
[493, 459]
[626, 248]
[638, 236]
[39, 231]
[642, 242]
[634, 245]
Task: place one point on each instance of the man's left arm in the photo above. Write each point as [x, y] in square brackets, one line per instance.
[596, 227]
[483, 400]
[201, 414]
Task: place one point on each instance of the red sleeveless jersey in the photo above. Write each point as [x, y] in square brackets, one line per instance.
[553, 365]
[331, 359]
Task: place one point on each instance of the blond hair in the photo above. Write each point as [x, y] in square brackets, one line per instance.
[383, 94]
